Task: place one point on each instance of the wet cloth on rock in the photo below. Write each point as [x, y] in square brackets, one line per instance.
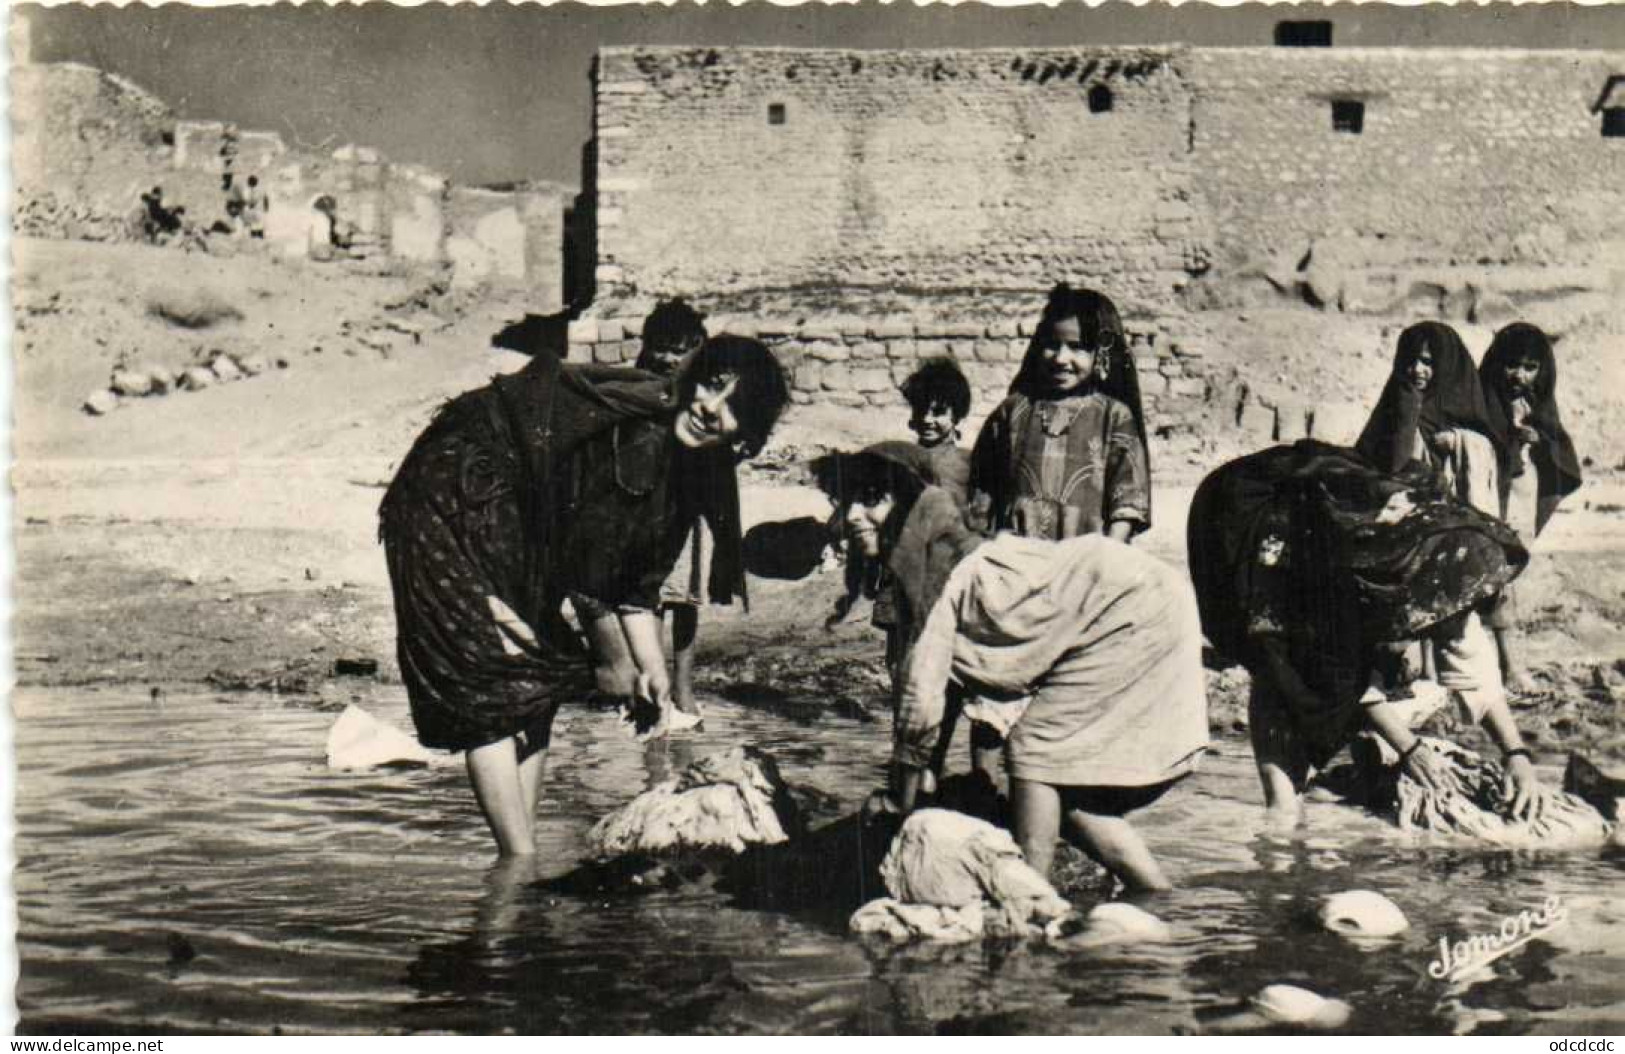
[1479, 811]
[953, 877]
[725, 801]
[1102, 638]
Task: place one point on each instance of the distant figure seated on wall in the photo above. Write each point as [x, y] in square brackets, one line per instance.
[159, 221]
[326, 238]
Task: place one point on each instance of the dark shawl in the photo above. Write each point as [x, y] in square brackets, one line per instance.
[1373, 558]
[481, 510]
[1453, 400]
[1554, 456]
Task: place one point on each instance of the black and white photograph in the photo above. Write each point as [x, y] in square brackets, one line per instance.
[817, 519]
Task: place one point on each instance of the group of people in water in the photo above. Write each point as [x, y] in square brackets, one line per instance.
[1005, 576]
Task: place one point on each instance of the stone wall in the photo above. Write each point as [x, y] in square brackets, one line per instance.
[851, 360]
[1464, 155]
[84, 144]
[887, 181]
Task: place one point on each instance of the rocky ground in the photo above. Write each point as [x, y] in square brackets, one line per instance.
[226, 536]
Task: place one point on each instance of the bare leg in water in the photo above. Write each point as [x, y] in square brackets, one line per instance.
[685, 626]
[1108, 840]
[507, 791]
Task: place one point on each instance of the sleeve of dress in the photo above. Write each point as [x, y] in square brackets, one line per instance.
[925, 685]
[1128, 471]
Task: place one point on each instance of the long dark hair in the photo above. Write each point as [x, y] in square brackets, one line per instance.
[1102, 326]
[762, 393]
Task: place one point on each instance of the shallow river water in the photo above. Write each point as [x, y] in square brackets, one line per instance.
[191, 865]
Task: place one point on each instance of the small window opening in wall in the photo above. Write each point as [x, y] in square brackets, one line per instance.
[1613, 122]
[775, 113]
[1100, 99]
[1307, 34]
[1348, 115]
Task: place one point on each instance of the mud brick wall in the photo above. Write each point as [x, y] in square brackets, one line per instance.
[859, 361]
[1462, 151]
[769, 178]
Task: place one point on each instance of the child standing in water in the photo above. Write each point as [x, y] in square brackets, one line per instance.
[1519, 377]
[1065, 455]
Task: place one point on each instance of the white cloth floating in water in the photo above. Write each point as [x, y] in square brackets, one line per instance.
[359, 740]
[1360, 913]
[725, 801]
[1286, 1004]
[954, 877]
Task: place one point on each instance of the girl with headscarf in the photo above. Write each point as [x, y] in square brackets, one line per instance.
[1065, 454]
[557, 481]
[1433, 411]
[1095, 645]
[1309, 567]
[1519, 376]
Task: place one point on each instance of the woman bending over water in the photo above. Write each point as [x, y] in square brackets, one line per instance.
[1100, 643]
[557, 481]
[1310, 567]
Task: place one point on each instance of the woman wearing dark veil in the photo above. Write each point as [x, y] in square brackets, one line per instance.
[1309, 568]
[1519, 375]
[1432, 411]
[558, 480]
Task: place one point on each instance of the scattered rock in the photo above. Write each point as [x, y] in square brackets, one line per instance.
[1599, 789]
[225, 368]
[102, 401]
[1362, 913]
[162, 379]
[253, 365]
[131, 382]
[355, 667]
[196, 378]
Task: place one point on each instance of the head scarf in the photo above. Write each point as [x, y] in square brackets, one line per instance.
[1372, 558]
[1454, 399]
[1555, 453]
[923, 540]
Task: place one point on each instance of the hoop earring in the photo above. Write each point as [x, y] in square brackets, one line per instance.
[1103, 365]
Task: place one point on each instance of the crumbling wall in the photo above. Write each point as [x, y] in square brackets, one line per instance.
[882, 181]
[84, 145]
[1463, 155]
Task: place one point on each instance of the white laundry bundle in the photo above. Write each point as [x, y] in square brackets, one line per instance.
[1478, 809]
[956, 878]
[726, 801]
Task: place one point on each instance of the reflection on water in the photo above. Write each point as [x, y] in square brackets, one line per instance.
[194, 867]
